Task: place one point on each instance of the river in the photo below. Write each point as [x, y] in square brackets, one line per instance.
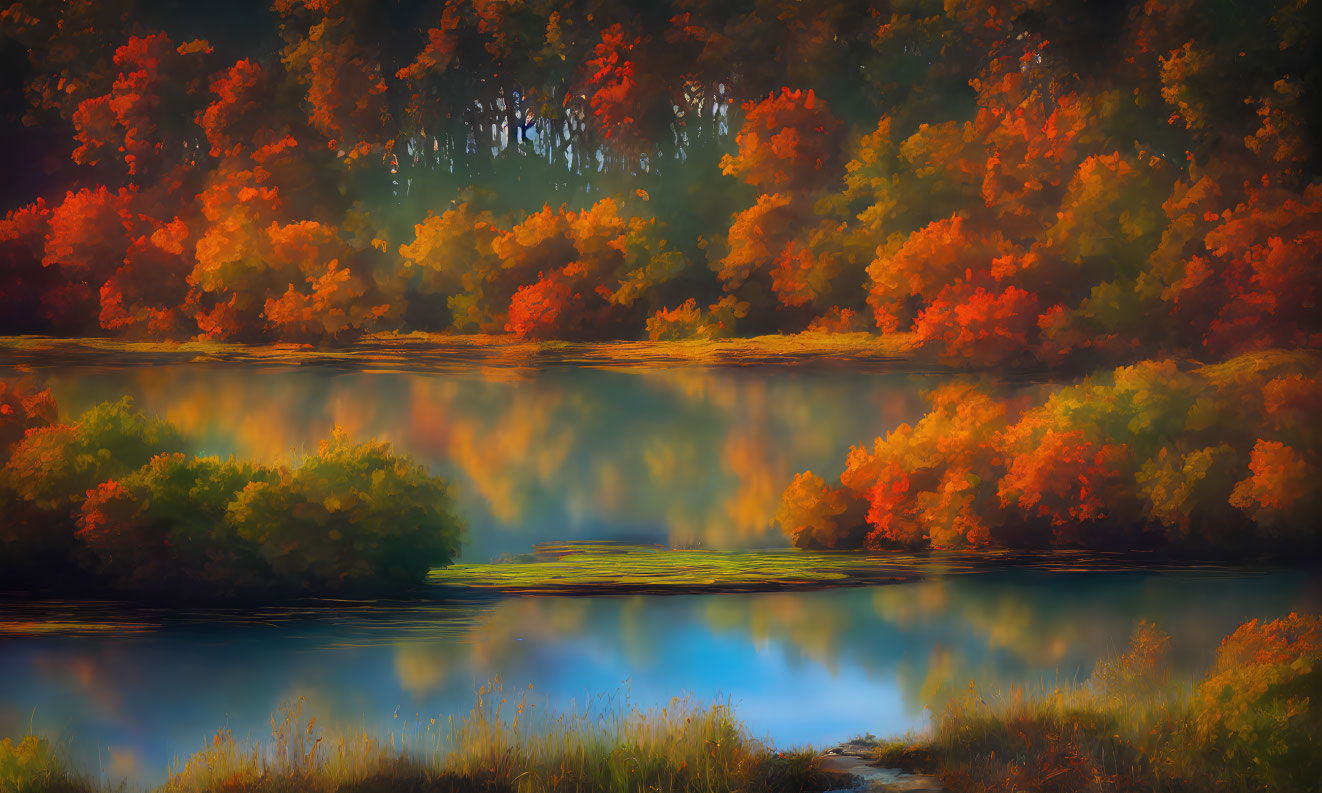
[683, 456]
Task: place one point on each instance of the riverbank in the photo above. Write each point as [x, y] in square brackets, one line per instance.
[611, 569]
[1253, 722]
[1152, 718]
[451, 352]
[504, 744]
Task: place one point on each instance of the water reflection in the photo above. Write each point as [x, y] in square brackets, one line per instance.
[685, 456]
[808, 667]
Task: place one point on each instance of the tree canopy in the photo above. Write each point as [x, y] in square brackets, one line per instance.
[1018, 182]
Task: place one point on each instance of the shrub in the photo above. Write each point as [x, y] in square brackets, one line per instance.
[352, 517]
[1260, 706]
[58, 464]
[1216, 458]
[112, 499]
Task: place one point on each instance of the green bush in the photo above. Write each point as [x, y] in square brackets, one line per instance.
[55, 466]
[352, 517]
[166, 523]
[111, 500]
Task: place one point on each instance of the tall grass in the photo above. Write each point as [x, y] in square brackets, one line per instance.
[34, 765]
[507, 744]
[1132, 727]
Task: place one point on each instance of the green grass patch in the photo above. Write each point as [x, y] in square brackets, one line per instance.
[589, 568]
[595, 569]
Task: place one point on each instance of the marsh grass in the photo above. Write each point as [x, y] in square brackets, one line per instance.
[1053, 741]
[592, 571]
[505, 743]
[1130, 727]
[35, 765]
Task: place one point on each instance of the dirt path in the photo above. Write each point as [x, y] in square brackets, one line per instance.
[855, 760]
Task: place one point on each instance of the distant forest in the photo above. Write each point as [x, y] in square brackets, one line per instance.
[1011, 183]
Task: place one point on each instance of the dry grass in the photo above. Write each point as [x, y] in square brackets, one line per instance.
[445, 351]
[1130, 728]
[504, 744]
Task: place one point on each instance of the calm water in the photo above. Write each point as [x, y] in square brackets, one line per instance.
[811, 667]
[683, 456]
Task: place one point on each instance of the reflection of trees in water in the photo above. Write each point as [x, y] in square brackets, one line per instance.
[696, 456]
[1008, 629]
[355, 666]
[931, 637]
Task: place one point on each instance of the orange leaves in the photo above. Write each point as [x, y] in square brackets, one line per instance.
[556, 274]
[1265, 252]
[1256, 697]
[923, 266]
[617, 97]
[127, 123]
[231, 119]
[1281, 487]
[345, 96]
[788, 141]
[146, 296]
[687, 321]
[973, 324]
[88, 230]
[22, 409]
[440, 49]
[334, 310]
[1146, 455]
[452, 253]
[89, 233]
[250, 269]
[799, 278]
[536, 308]
[816, 515]
[933, 484]
[107, 508]
[1067, 479]
[22, 247]
[757, 236]
[672, 324]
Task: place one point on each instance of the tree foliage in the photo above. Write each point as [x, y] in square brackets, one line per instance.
[1151, 455]
[988, 176]
[112, 500]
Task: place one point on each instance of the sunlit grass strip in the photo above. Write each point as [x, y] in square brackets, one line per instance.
[441, 351]
[678, 571]
[506, 743]
[647, 570]
[67, 628]
[1062, 739]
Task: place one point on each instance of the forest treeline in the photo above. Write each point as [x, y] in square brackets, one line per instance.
[111, 500]
[1222, 458]
[1013, 181]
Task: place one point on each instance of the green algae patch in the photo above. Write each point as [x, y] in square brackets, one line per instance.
[600, 568]
[603, 569]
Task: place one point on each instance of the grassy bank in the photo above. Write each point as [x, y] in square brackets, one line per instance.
[504, 744]
[445, 351]
[1252, 723]
[600, 568]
